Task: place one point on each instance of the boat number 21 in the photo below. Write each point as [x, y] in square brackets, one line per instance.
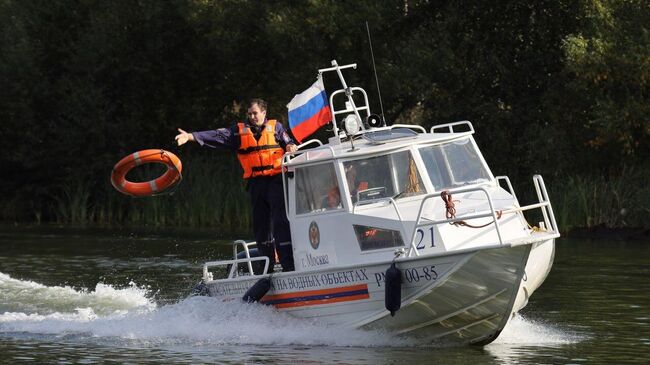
[424, 237]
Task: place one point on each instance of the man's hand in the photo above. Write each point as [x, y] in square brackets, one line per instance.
[291, 147]
[183, 137]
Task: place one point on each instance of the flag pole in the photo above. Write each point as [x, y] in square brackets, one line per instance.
[348, 91]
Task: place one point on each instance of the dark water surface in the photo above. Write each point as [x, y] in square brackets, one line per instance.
[111, 296]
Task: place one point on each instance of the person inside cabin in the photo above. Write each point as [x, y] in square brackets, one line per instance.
[353, 185]
[333, 199]
[332, 196]
[260, 144]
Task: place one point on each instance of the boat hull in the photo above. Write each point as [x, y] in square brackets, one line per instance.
[464, 297]
[537, 269]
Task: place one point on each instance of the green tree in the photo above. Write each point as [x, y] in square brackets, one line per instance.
[608, 81]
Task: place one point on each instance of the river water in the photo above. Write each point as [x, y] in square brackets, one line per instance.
[111, 296]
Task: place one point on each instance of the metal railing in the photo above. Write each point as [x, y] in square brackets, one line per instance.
[544, 204]
[233, 273]
[288, 156]
[547, 209]
[450, 126]
[509, 185]
[410, 126]
[388, 199]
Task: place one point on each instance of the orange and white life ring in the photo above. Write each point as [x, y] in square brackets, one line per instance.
[170, 178]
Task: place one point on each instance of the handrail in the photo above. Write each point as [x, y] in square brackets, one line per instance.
[544, 204]
[542, 195]
[388, 198]
[288, 156]
[285, 157]
[526, 207]
[351, 107]
[246, 249]
[310, 142]
[207, 276]
[510, 189]
[412, 126]
[492, 214]
[451, 126]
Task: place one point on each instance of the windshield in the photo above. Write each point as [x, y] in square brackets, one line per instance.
[394, 175]
[454, 164]
[317, 189]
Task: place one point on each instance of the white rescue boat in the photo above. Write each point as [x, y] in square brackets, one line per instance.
[465, 258]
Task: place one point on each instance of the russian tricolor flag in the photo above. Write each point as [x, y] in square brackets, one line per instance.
[309, 111]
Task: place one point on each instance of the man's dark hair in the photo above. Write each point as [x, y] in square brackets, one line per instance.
[260, 102]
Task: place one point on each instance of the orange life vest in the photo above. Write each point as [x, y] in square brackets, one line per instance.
[259, 158]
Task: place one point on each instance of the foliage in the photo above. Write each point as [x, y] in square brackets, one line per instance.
[553, 87]
[620, 200]
[608, 78]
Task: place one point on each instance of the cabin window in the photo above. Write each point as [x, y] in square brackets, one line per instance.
[373, 238]
[394, 175]
[317, 189]
[454, 164]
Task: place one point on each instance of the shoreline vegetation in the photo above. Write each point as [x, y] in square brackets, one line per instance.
[581, 233]
[212, 197]
[556, 88]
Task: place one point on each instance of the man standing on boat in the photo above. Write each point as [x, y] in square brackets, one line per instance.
[259, 144]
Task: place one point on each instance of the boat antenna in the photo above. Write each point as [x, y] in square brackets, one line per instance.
[374, 68]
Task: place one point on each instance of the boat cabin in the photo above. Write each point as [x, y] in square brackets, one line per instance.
[361, 197]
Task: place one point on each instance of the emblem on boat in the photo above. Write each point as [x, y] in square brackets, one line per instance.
[314, 235]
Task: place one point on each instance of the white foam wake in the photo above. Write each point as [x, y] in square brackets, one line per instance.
[128, 314]
[198, 320]
[521, 335]
[524, 331]
[36, 299]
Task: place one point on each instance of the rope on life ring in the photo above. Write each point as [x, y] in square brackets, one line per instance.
[168, 179]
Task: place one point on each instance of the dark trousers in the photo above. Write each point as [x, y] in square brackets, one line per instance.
[270, 223]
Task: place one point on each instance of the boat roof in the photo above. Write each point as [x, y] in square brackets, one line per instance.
[372, 142]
